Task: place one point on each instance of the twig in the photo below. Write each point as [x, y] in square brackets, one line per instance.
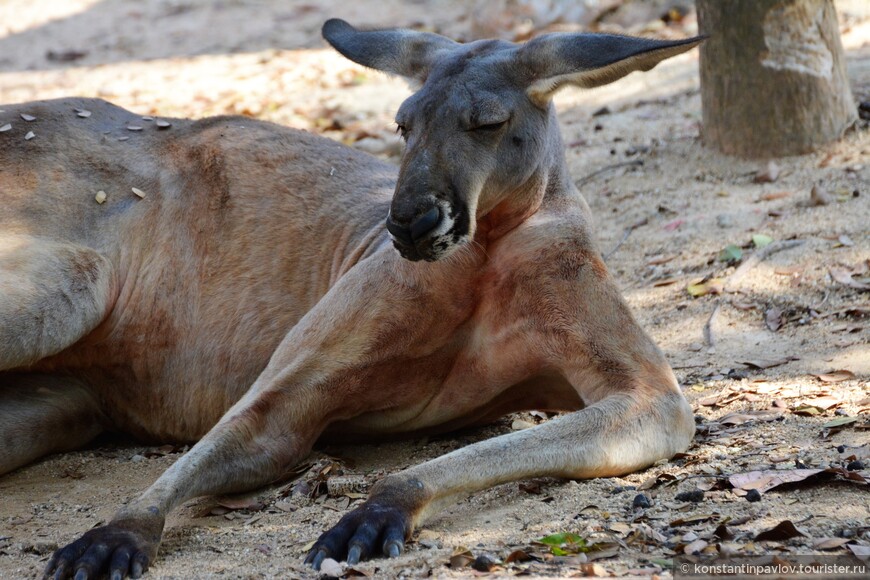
[625, 235]
[605, 169]
[709, 330]
[756, 258]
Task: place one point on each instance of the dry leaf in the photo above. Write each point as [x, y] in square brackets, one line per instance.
[836, 376]
[774, 195]
[762, 364]
[784, 530]
[773, 318]
[138, 192]
[844, 277]
[461, 558]
[830, 543]
[660, 259]
[694, 547]
[517, 556]
[702, 288]
[766, 480]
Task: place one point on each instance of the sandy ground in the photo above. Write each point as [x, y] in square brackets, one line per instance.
[682, 206]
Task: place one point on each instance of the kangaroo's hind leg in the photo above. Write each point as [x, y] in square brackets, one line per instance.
[41, 414]
[51, 295]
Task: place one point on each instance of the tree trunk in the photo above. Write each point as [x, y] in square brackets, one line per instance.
[773, 76]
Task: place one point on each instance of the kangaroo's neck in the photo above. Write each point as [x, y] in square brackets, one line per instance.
[550, 178]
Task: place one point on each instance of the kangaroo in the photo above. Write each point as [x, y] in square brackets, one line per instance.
[253, 288]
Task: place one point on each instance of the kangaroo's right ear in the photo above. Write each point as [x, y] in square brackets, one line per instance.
[406, 53]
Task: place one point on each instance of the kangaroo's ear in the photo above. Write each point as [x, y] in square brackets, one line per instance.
[406, 53]
[591, 60]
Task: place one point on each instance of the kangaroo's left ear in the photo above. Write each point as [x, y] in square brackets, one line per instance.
[591, 60]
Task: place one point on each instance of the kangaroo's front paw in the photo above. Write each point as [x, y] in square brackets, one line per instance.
[368, 531]
[121, 548]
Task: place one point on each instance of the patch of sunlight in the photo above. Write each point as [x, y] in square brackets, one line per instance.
[20, 15]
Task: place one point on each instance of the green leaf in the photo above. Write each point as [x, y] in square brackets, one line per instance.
[667, 563]
[730, 253]
[561, 539]
[761, 240]
[840, 421]
[564, 543]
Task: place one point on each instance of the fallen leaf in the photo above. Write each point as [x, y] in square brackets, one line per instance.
[773, 318]
[784, 530]
[738, 418]
[730, 253]
[692, 520]
[830, 543]
[762, 364]
[602, 550]
[844, 241]
[517, 556]
[766, 480]
[836, 376]
[711, 286]
[844, 277]
[773, 195]
[761, 240]
[461, 557]
[563, 543]
[694, 547]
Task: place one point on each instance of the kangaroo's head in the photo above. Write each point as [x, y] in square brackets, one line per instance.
[480, 132]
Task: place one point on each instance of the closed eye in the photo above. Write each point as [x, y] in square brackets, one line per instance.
[490, 127]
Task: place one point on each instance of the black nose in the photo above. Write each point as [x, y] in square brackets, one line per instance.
[421, 226]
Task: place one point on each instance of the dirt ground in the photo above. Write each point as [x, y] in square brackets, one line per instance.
[666, 207]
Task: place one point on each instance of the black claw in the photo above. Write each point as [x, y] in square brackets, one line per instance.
[319, 557]
[354, 555]
[393, 549]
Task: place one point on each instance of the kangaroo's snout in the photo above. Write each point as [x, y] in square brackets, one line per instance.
[407, 234]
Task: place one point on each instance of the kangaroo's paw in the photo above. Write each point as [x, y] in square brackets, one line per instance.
[370, 530]
[120, 549]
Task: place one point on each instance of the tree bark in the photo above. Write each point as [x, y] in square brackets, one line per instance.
[773, 77]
